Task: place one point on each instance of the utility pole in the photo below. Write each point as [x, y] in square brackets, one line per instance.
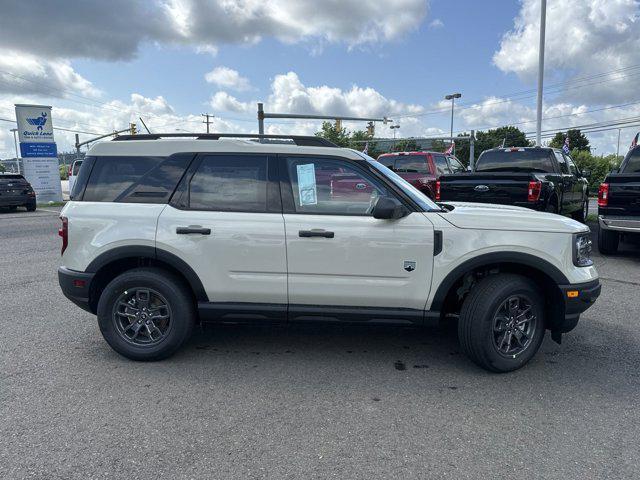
[543, 19]
[207, 116]
[472, 153]
[452, 97]
[618, 149]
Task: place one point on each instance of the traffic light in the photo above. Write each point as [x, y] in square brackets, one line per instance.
[132, 127]
[371, 129]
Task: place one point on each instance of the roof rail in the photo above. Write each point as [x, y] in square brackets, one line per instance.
[300, 140]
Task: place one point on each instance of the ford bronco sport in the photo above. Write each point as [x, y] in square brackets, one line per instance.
[162, 233]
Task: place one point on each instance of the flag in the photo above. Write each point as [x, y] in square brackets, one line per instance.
[634, 142]
[565, 147]
[449, 150]
[366, 149]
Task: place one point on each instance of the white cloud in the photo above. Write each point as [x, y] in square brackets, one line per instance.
[436, 23]
[224, 102]
[225, 77]
[289, 94]
[583, 38]
[24, 73]
[116, 29]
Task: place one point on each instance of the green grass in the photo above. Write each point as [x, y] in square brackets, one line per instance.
[592, 217]
[52, 204]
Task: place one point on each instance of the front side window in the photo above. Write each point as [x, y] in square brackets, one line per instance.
[229, 184]
[411, 164]
[562, 162]
[456, 166]
[348, 191]
[442, 167]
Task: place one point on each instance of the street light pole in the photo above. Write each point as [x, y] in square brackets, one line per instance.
[452, 97]
[394, 128]
[543, 19]
[15, 143]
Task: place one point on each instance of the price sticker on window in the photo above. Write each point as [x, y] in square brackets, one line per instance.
[307, 189]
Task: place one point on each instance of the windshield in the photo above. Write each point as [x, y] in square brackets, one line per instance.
[519, 160]
[416, 195]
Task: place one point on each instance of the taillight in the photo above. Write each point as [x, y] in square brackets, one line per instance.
[603, 195]
[533, 194]
[437, 190]
[64, 233]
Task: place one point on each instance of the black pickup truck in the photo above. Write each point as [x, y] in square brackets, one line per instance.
[619, 203]
[539, 178]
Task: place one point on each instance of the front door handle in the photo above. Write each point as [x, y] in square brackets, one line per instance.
[315, 233]
[193, 229]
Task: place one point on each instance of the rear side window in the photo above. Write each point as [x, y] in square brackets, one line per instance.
[412, 164]
[562, 162]
[76, 167]
[456, 166]
[632, 164]
[229, 184]
[442, 167]
[130, 179]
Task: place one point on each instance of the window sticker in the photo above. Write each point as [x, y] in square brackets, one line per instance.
[307, 189]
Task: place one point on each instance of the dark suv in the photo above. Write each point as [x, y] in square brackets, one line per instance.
[15, 192]
[422, 169]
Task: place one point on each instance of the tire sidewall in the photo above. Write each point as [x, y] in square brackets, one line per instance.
[483, 327]
[181, 307]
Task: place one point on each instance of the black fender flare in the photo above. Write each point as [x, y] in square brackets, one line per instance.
[142, 251]
[494, 258]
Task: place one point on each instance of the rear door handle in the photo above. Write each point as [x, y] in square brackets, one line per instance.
[193, 229]
[315, 233]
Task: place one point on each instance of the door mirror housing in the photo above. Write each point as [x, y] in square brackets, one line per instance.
[586, 173]
[389, 208]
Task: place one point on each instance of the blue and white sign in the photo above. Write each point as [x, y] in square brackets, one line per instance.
[32, 149]
[39, 152]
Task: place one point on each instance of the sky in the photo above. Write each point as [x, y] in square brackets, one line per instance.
[103, 64]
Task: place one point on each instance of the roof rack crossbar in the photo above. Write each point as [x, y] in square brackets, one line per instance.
[300, 140]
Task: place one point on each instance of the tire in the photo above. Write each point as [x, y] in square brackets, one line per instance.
[479, 337]
[31, 207]
[161, 287]
[581, 215]
[608, 241]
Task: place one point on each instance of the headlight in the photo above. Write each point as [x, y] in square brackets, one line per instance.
[582, 249]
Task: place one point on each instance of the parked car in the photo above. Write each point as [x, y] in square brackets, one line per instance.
[16, 191]
[422, 169]
[163, 233]
[544, 179]
[74, 168]
[619, 203]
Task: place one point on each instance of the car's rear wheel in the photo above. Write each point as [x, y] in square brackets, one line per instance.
[31, 206]
[582, 214]
[608, 241]
[146, 314]
[551, 206]
[501, 323]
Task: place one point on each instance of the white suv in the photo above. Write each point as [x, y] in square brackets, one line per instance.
[162, 233]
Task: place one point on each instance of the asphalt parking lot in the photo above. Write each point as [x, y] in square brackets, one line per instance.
[303, 402]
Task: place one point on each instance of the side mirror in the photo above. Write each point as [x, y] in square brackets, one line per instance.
[586, 173]
[469, 169]
[389, 208]
[614, 170]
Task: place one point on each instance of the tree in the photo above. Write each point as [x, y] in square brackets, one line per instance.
[2, 169]
[577, 140]
[405, 145]
[343, 138]
[599, 166]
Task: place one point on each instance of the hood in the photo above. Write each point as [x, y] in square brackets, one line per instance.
[487, 216]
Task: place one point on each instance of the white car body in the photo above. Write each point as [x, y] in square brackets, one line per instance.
[379, 266]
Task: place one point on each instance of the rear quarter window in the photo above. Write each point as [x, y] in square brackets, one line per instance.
[130, 179]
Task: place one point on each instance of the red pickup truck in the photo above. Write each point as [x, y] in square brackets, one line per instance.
[422, 169]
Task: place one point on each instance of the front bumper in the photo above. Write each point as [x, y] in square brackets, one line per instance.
[76, 286]
[620, 224]
[578, 297]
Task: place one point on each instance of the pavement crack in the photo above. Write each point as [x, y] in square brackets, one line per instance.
[626, 282]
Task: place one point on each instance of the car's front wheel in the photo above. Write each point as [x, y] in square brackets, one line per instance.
[146, 314]
[501, 323]
[582, 214]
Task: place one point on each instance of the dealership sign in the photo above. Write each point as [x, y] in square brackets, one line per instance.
[38, 151]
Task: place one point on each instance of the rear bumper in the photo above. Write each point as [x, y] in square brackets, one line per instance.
[620, 224]
[76, 286]
[16, 200]
[578, 297]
